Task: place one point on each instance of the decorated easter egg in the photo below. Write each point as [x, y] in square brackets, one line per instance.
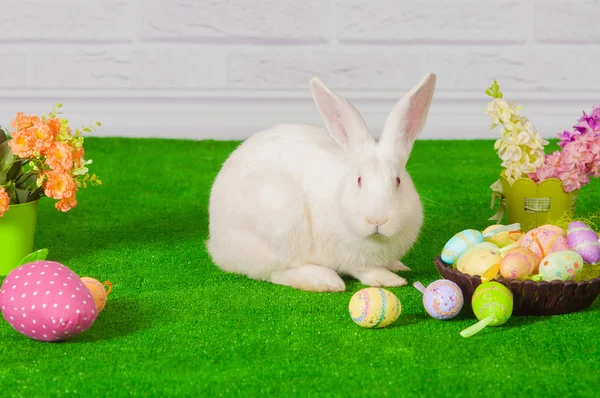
[443, 299]
[554, 228]
[543, 241]
[46, 301]
[582, 239]
[374, 307]
[486, 245]
[518, 263]
[478, 260]
[459, 243]
[502, 239]
[561, 266]
[97, 290]
[492, 299]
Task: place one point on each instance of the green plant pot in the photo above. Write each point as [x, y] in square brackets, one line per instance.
[17, 231]
[533, 205]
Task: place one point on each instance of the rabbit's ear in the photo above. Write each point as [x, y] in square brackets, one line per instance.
[342, 120]
[406, 120]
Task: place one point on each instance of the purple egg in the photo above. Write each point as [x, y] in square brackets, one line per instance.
[583, 240]
[443, 299]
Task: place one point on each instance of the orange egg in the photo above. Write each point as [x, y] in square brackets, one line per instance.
[478, 260]
[97, 290]
[518, 263]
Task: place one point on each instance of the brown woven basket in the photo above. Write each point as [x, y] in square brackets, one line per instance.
[531, 298]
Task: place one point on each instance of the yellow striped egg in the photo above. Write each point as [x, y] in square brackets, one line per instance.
[502, 239]
[374, 307]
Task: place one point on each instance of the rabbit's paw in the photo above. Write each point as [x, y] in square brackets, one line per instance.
[379, 277]
[313, 278]
[396, 266]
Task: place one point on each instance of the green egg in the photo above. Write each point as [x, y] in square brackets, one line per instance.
[492, 298]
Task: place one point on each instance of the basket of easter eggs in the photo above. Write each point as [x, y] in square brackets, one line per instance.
[550, 270]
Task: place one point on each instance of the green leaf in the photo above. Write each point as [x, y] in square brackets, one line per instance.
[3, 136]
[28, 184]
[494, 90]
[2, 178]
[6, 155]
[22, 195]
[35, 195]
[12, 170]
[37, 255]
[23, 178]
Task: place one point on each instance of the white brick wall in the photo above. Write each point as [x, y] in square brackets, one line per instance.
[464, 21]
[561, 21]
[224, 69]
[66, 20]
[241, 21]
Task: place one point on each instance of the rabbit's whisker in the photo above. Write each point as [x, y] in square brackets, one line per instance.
[437, 203]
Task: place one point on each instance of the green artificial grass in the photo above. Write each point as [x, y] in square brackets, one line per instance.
[176, 325]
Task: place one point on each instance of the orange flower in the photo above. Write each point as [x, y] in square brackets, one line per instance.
[4, 201]
[60, 156]
[54, 125]
[66, 204]
[24, 122]
[22, 144]
[43, 135]
[59, 185]
[78, 160]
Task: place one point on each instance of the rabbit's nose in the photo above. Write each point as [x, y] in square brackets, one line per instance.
[378, 222]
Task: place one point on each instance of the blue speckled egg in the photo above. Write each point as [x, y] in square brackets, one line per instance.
[459, 243]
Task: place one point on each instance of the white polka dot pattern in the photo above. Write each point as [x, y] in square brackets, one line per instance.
[49, 301]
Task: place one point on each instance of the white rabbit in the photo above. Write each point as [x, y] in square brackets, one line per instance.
[299, 205]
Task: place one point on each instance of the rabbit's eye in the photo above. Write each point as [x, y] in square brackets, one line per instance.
[359, 181]
[397, 181]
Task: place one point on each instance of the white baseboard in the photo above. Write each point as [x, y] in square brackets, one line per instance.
[223, 115]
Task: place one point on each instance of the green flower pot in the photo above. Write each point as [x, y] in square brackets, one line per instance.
[533, 205]
[17, 231]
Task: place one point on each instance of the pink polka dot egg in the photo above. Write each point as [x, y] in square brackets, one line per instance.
[46, 301]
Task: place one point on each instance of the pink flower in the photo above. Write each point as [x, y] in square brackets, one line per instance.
[565, 137]
[577, 152]
[552, 165]
[595, 148]
[580, 155]
[572, 178]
